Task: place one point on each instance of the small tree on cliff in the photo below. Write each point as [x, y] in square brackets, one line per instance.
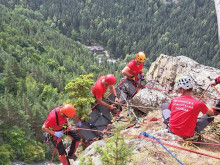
[116, 151]
[79, 90]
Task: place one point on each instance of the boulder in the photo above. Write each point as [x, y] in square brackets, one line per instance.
[149, 99]
[165, 71]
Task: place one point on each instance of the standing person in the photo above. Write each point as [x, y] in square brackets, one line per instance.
[56, 125]
[182, 113]
[100, 88]
[135, 67]
[216, 81]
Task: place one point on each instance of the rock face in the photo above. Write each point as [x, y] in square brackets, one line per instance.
[149, 99]
[166, 70]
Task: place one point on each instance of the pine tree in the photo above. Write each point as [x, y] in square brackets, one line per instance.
[79, 90]
[116, 151]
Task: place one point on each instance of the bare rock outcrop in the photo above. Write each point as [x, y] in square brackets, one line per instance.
[217, 9]
[165, 71]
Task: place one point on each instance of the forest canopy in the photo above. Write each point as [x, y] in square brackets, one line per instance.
[42, 49]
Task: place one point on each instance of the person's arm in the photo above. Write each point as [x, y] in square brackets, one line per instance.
[216, 81]
[210, 112]
[141, 72]
[46, 129]
[75, 117]
[112, 89]
[125, 72]
[99, 101]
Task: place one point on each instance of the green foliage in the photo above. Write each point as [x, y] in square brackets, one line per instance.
[79, 90]
[116, 151]
[125, 27]
[37, 61]
[33, 152]
[20, 147]
[15, 138]
[75, 35]
[128, 58]
[85, 160]
[6, 154]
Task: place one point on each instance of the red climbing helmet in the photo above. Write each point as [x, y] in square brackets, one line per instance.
[110, 79]
[68, 110]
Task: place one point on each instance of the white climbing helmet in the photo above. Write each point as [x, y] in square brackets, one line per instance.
[185, 82]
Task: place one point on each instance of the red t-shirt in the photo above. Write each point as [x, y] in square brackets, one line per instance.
[134, 68]
[51, 120]
[184, 113]
[99, 89]
[217, 80]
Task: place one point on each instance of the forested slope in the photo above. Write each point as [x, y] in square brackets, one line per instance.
[41, 51]
[187, 28]
[36, 62]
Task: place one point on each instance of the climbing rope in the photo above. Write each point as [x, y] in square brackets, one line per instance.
[204, 92]
[147, 135]
[216, 90]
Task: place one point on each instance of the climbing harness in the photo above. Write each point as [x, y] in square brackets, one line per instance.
[47, 140]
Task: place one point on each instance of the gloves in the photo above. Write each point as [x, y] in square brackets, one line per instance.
[132, 78]
[142, 78]
[79, 124]
[58, 134]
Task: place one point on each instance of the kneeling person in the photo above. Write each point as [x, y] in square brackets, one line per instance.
[182, 113]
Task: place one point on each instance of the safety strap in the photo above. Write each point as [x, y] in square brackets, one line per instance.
[56, 116]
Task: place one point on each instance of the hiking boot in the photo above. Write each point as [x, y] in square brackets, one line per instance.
[74, 157]
[195, 138]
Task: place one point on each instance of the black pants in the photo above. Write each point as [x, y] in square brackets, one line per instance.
[57, 142]
[201, 122]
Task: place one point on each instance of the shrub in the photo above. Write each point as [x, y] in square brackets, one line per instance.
[116, 151]
[4, 154]
[33, 152]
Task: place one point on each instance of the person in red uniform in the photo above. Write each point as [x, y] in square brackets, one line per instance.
[182, 113]
[216, 81]
[100, 88]
[135, 67]
[56, 125]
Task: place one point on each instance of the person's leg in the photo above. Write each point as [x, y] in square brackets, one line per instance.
[57, 142]
[166, 113]
[203, 122]
[75, 142]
